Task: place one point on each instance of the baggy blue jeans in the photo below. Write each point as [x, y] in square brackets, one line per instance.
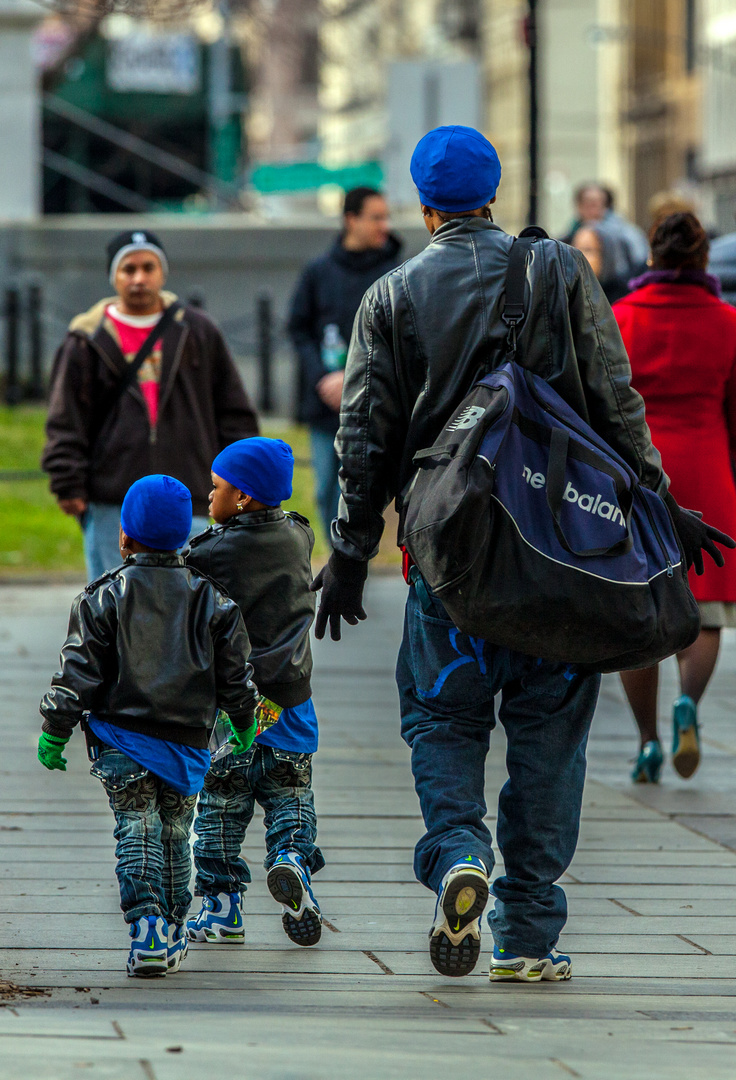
[278, 780]
[153, 823]
[326, 466]
[447, 682]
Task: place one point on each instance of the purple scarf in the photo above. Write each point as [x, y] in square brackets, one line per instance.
[678, 277]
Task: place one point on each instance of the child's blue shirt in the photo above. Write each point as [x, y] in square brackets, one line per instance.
[181, 767]
[296, 730]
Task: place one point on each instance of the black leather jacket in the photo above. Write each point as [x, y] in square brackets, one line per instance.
[427, 331]
[155, 648]
[263, 561]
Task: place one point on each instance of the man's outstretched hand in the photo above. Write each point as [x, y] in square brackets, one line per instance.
[341, 582]
[697, 537]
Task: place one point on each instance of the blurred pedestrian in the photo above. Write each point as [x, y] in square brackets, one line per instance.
[681, 340]
[608, 255]
[594, 204]
[591, 203]
[322, 314]
[665, 203]
[141, 384]
[723, 265]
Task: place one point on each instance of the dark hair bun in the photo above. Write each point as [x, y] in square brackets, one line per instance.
[679, 242]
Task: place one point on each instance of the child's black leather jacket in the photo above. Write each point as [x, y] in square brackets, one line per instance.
[263, 560]
[155, 648]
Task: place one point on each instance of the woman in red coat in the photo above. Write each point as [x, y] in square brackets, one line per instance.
[681, 340]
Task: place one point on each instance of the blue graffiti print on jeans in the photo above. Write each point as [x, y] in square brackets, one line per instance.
[477, 645]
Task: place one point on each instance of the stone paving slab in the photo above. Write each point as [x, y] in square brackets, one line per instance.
[651, 894]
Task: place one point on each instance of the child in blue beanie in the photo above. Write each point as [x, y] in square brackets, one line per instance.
[137, 669]
[262, 557]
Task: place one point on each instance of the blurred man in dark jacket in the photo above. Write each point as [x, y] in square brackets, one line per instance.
[126, 403]
[723, 265]
[323, 310]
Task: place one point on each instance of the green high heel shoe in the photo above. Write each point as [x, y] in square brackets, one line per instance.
[649, 763]
[685, 739]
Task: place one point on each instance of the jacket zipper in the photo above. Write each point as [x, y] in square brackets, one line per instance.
[547, 408]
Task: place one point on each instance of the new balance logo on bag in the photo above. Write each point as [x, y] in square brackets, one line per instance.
[468, 418]
[592, 504]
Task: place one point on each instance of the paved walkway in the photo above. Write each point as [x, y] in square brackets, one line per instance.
[652, 925]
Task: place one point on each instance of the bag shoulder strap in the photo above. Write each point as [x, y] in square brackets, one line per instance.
[131, 370]
[143, 353]
[513, 310]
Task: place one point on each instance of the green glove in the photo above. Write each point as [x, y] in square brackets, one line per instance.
[242, 740]
[49, 751]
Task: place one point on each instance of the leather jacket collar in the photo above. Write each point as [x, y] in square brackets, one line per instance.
[257, 517]
[463, 225]
[154, 558]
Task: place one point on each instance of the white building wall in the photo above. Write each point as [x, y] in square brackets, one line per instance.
[20, 125]
[569, 106]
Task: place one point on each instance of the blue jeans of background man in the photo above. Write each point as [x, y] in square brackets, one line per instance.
[101, 533]
[326, 465]
[153, 823]
[278, 780]
[447, 682]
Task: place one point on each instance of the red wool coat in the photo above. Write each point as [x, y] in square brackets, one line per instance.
[681, 341]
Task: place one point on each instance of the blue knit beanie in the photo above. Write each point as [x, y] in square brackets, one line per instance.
[261, 468]
[157, 512]
[455, 168]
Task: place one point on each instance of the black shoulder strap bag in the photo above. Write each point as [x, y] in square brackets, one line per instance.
[108, 402]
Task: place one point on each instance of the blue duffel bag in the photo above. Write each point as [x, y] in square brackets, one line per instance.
[537, 536]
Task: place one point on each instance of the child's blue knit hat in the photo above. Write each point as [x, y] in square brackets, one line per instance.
[261, 468]
[157, 512]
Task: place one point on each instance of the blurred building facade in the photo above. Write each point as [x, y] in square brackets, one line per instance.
[295, 97]
[635, 94]
[717, 162]
[359, 41]
[281, 40]
[660, 99]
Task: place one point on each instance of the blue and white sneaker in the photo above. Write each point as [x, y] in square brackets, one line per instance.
[149, 949]
[454, 940]
[220, 921]
[508, 967]
[177, 947]
[290, 884]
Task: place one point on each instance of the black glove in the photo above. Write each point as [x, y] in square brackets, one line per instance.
[341, 582]
[697, 537]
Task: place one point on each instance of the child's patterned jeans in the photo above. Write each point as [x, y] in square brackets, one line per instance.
[152, 827]
[278, 780]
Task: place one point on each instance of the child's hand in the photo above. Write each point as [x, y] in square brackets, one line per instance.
[242, 740]
[49, 751]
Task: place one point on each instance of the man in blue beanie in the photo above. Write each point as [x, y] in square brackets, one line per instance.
[136, 670]
[422, 337]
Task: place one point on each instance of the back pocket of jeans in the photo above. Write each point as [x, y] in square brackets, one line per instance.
[449, 668]
[116, 770]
